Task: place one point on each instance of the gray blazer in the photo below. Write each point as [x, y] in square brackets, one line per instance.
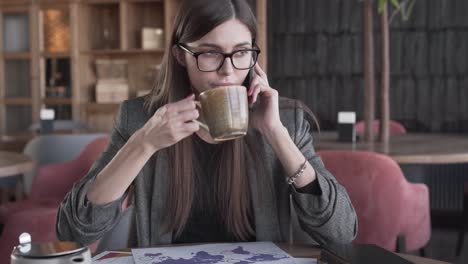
[326, 217]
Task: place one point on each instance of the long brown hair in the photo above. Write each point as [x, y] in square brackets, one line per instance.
[195, 19]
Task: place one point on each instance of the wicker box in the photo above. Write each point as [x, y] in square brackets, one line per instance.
[152, 38]
[56, 30]
[143, 92]
[111, 69]
[112, 91]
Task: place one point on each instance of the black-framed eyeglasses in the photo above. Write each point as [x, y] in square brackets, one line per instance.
[210, 61]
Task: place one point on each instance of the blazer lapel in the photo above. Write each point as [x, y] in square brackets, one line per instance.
[267, 226]
[159, 200]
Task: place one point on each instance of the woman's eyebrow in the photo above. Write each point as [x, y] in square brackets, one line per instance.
[211, 45]
[243, 44]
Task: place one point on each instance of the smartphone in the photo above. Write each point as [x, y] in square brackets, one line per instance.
[247, 82]
[249, 78]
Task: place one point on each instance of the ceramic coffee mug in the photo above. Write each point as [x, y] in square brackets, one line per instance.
[225, 112]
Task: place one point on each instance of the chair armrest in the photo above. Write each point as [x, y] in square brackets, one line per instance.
[39, 223]
[415, 218]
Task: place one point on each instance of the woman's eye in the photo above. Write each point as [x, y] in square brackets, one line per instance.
[210, 54]
[241, 53]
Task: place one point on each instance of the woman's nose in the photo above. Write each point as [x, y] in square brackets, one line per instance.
[227, 67]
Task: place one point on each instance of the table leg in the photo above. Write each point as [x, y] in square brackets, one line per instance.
[19, 189]
[4, 195]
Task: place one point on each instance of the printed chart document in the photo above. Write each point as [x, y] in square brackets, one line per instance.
[113, 257]
[305, 261]
[232, 253]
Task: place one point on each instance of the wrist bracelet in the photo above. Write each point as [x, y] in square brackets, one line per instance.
[298, 173]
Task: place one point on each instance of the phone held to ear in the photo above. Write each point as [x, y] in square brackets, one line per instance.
[249, 78]
[247, 82]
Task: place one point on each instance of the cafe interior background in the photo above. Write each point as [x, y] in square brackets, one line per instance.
[66, 65]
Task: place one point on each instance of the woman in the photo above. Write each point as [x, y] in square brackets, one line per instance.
[186, 187]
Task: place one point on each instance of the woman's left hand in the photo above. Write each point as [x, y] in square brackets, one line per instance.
[264, 115]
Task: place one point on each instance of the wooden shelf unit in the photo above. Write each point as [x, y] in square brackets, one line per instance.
[16, 55]
[57, 101]
[16, 101]
[97, 29]
[128, 52]
[55, 55]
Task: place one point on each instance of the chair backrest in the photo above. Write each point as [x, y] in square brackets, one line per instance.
[384, 201]
[53, 181]
[395, 127]
[62, 125]
[92, 151]
[55, 148]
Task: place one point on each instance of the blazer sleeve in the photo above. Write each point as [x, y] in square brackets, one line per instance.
[80, 220]
[326, 214]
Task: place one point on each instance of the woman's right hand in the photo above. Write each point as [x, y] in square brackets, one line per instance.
[170, 124]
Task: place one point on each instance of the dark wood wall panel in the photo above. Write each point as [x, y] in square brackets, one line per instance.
[315, 54]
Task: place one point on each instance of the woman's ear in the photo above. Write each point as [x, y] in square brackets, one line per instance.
[177, 53]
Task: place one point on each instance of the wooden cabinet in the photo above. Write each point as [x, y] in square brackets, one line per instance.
[113, 30]
[49, 50]
[16, 67]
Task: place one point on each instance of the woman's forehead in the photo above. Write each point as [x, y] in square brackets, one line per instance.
[229, 34]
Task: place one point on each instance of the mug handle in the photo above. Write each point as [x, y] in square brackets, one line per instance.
[202, 125]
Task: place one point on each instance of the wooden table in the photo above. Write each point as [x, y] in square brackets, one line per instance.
[438, 160]
[407, 148]
[12, 163]
[16, 142]
[307, 251]
[304, 251]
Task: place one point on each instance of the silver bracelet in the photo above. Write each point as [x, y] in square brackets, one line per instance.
[298, 173]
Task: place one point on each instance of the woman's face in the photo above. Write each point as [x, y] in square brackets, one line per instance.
[230, 36]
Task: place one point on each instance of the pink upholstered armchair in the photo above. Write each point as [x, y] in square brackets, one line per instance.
[395, 127]
[37, 214]
[39, 223]
[387, 205]
[53, 181]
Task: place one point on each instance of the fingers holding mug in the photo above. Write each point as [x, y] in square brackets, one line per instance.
[182, 105]
[188, 116]
[192, 127]
[170, 124]
[200, 124]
